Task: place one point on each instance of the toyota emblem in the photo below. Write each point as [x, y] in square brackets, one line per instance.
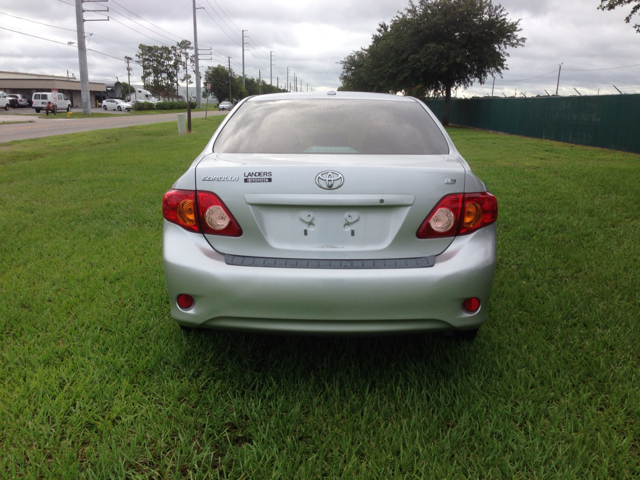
[329, 180]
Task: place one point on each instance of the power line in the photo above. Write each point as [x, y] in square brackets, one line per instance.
[126, 26]
[35, 36]
[602, 69]
[67, 29]
[39, 23]
[225, 13]
[160, 28]
[137, 23]
[223, 31]
[222, 19]
[531, 78]
[60, 43]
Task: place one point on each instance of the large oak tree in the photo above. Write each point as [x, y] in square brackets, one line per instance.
[434, 47]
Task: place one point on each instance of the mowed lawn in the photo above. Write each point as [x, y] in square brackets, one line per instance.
[97, 381]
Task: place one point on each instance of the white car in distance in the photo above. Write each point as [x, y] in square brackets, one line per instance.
[116, 104]
[4, 101]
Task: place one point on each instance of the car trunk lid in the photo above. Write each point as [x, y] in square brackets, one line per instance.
[329, 206]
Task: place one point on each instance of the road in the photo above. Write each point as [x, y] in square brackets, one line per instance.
[45, 127]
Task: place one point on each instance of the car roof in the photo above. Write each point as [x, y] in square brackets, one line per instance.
[331, 95]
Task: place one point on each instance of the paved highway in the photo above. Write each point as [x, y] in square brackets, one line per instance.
[45, 127]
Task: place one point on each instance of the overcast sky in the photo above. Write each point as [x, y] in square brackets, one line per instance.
[310, 37]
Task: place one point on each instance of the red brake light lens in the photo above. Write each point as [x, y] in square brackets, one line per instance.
[201, 212]
[178, 206]
[459, 214]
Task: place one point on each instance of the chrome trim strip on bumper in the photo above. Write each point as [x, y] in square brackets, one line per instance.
[419, 262]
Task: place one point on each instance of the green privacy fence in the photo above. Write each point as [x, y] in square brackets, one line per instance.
[607, 121]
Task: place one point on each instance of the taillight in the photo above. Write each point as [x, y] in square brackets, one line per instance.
[459, 214]
[480, 210]
[201, 212]
[179, 206]
[215, 218]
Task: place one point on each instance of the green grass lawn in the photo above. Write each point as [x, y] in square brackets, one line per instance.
[96, 381]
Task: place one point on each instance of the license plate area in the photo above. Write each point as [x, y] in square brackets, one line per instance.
[322, 228]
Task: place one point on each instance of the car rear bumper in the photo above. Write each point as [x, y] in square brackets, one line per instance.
[326, 301]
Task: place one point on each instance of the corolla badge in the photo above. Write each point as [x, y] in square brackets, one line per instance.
[329, 180]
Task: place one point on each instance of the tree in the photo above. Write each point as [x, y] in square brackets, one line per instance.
[161, 66]
[436, 46]
[126, 89]
[613, 4]
[219, 79]
[356, 73]
[183, 61]
[156, 62]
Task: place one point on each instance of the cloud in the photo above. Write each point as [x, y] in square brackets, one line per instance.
[310, 37]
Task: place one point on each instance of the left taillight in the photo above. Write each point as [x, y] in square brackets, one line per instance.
[201, 212]
[459, 214]
[179, 207]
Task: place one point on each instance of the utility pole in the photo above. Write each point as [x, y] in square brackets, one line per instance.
[286, 85]
[558, 85]
[493, 86]
[128, 59]
[259, 82]
[278, 83]
[186, 76]
[82, 51]
[243, 77]
[230, 80]
[270, 68]
[195, 46]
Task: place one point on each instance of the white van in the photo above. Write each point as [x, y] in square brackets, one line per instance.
[41, 99]
[4, 101]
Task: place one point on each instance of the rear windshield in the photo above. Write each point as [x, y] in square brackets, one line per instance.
[332, 126]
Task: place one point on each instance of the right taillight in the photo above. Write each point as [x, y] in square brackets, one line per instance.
[459, 214]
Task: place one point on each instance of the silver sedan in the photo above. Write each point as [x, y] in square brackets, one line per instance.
[330, 213]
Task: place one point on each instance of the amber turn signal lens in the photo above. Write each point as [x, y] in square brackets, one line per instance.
[472, 215]
[186, 212]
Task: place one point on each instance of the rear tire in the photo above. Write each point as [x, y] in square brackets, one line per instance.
[104, 106]
[119, 109]
[68, 108]
[6, 107]
[37, 110]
